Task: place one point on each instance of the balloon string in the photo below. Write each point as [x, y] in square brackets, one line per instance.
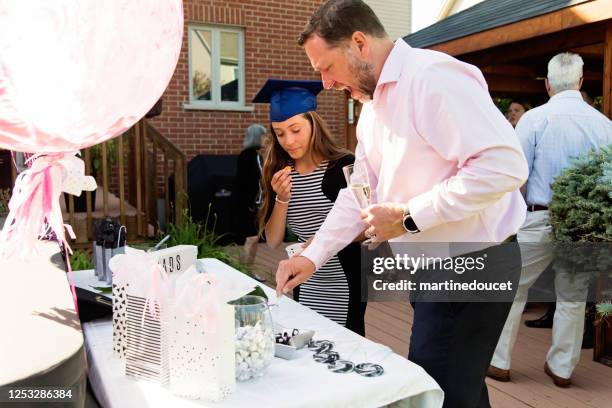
[34, 207]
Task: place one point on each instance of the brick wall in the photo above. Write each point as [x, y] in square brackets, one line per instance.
[271, 29]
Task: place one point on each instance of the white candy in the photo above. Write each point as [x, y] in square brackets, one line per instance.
[254, 351]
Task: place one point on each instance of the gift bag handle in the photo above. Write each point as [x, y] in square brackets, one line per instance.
[119, 234]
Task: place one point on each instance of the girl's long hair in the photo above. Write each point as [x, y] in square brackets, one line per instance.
[322, 145]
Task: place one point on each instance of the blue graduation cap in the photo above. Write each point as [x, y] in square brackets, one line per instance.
[288, 98]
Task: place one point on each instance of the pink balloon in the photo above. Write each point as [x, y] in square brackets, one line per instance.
[74, 73]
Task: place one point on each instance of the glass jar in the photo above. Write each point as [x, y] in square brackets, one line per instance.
[254, 337]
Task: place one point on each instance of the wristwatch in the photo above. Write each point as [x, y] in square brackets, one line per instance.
[408, 223]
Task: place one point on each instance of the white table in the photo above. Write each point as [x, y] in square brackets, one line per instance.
[300, 382]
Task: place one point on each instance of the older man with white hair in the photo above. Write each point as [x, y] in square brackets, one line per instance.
[551, 135]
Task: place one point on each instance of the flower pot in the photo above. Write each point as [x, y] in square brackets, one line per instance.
[602, 348]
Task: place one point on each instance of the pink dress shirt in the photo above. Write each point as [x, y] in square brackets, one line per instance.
[432, 139]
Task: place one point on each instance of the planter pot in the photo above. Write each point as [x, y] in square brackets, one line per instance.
[602, 349]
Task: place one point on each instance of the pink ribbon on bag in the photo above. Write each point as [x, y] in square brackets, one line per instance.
[210, 311]
[154, 297]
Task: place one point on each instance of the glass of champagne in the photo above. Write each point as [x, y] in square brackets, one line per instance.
[357, 181]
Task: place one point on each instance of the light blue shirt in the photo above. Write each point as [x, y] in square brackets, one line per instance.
[553, 134]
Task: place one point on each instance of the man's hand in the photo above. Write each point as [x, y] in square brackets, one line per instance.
[292, 272]
[383, 221]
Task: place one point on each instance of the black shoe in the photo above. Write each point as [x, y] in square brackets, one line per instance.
[544, 322]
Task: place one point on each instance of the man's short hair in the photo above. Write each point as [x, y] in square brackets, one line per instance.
[564, 72]
[337, 20]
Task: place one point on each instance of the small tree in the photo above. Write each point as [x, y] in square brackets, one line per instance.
[581, 206]
[581, 212]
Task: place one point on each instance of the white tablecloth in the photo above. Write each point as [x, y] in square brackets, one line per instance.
[300, 382]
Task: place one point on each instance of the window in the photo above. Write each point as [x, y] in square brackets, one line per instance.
[216, 67]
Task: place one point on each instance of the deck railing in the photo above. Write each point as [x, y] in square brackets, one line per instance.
[142, 177]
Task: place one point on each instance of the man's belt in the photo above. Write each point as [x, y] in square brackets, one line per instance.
[511, 238]
[536, 207]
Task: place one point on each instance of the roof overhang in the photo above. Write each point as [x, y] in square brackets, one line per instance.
[572, 16]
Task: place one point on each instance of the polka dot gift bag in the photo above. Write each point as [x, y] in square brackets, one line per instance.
[201, 337]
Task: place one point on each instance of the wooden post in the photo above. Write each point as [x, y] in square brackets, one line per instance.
[131, 165]
[138, 155]
[121, 180]
[153, 192]
[13, 174]
[88, 203]
[147, 180]
[607, 79]
[105, 179]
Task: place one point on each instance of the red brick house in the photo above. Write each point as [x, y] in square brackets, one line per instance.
[230, 48]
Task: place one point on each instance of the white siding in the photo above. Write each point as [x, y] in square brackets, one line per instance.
[427, 12]
[395, 15]
[461, 5]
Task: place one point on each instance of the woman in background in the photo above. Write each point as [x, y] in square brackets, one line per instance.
[246, 196]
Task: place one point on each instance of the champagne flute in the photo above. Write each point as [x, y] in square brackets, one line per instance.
[358, 182]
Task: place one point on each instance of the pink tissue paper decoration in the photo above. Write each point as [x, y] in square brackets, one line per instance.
[74, 73]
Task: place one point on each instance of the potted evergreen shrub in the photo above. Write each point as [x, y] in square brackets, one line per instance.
[581, 212]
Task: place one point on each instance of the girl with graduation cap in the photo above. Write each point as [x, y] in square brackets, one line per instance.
[302, 175]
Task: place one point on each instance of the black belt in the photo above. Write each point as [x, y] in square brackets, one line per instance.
[536, 207]
[511, 238]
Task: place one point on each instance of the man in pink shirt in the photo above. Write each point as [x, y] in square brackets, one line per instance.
[444, 166]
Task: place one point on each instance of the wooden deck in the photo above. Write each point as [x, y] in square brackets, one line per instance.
[390, 323]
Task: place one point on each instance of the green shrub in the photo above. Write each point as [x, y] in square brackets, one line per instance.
[581, 218]
[190, 232]
[81, 260]
[581, 206]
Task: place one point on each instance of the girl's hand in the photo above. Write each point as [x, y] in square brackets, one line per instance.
[281, 184]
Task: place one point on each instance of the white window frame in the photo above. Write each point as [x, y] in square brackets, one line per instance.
[216, 103]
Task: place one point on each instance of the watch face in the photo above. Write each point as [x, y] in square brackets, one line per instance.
[409, 225]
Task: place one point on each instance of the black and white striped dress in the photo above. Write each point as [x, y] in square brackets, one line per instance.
[327, 291]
